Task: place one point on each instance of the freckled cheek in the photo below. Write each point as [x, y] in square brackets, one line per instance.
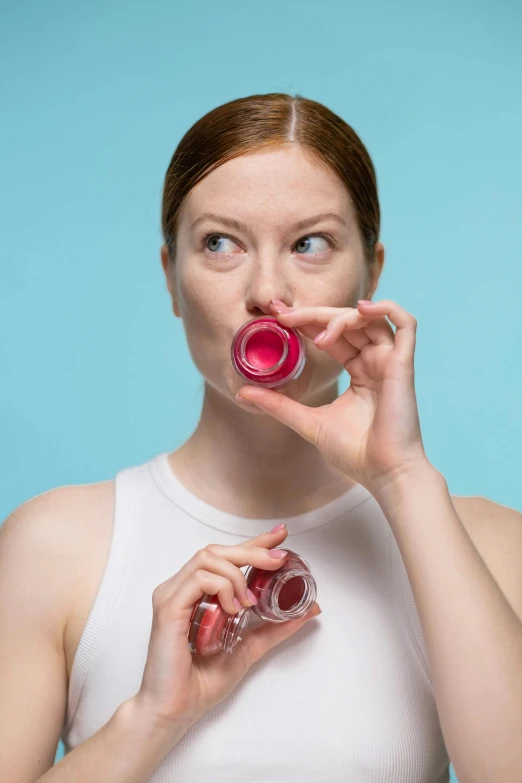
[207, 330]
[208, 349]
[203, 293]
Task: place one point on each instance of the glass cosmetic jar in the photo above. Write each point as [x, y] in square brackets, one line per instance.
[284, 594]
[266, 353]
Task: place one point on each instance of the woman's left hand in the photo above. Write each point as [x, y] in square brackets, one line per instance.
[371, 432]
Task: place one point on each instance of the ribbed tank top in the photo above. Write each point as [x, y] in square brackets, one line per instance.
[348, 698]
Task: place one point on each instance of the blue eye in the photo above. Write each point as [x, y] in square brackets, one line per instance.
[304, 245]
[212, 243]
[217, 243]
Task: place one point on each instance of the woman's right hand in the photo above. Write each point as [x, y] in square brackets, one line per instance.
[178, 685]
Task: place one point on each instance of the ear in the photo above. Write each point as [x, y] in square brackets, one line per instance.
[170, 275]
[374, 271]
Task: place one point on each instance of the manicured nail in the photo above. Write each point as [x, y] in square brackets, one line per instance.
[280, 553]
[237, 604]
[365, 302]
[277, 528]
[320, 336]
[283, 309]
[251, 597]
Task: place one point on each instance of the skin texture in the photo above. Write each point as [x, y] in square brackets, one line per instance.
[218, 287]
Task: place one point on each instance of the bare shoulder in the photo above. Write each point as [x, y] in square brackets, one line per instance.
[59, 523]
[489, 520]
[59, 541]
[496, 532]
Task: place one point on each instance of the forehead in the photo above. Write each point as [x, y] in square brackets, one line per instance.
[282, 183]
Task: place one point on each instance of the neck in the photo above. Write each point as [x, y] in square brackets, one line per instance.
[252, 465]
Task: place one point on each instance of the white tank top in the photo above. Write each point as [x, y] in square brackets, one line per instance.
[347, 699]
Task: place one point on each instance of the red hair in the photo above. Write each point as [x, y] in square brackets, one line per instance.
[275, 119]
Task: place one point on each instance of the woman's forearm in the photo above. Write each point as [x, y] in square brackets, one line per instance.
[126, 750]
[473, 636]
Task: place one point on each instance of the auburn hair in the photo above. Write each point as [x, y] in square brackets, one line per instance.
[258, 122]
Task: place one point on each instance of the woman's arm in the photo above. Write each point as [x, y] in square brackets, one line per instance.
[372, 433]
[473, 634]
[126, 750]
[41, 546]
[38, 567]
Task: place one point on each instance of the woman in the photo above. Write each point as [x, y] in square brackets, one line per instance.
[270, 208]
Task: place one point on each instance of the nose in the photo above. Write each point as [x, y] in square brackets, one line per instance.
[264, 285]
[262, 308]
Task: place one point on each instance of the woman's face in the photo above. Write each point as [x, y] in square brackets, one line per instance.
[239, 245]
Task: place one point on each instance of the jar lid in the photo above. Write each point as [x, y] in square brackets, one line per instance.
[234, 629]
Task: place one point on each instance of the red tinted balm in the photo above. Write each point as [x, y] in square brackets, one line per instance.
[284, 594]
[266, 353]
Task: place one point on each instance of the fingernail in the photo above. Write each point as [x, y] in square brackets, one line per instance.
[365, 302]
[320, 336]
[283, 309]
[251, 597]
[242, 399]
[277, 528]
[278, 553]
[237, 604]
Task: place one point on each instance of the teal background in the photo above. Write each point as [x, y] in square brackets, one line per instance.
[96, 374]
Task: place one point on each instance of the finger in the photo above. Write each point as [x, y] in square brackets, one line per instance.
[358, 329]
[310, 323]
[344, 335]
[214, 558]
[180, 605]
[227, 561]
[305, 317]
[258, 641]
[345, 324]
[377, 331]
[269, 539]
[239, 555]
[310, 330]
[380, 332]
[405, 323]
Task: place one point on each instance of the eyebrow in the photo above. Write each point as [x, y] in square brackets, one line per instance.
[240, 226]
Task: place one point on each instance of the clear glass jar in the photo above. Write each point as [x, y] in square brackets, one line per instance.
[266, 353]
[287, 593]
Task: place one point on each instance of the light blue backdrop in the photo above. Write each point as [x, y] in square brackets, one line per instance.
[95, 96]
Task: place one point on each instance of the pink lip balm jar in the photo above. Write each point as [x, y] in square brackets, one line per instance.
[266, 353]
[284, 594]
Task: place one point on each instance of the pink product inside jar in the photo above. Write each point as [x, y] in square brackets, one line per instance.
[266, 353]
[206, 625]
[212, 629]
[289, 595]
[285, 593]
[264, 349]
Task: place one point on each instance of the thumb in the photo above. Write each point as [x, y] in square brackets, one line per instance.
[301, 418]
[259, 641]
